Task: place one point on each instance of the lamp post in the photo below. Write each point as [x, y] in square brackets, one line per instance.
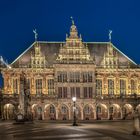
[74, 112]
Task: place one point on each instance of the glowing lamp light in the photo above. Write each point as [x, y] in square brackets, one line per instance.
[73, 99]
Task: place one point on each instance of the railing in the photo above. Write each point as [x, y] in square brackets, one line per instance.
[54, 96]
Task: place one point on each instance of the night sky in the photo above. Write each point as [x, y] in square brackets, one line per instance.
[51, 18]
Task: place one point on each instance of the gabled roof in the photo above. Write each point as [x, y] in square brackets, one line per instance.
[51, 49]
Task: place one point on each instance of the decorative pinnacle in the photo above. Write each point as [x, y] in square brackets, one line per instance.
[35, 33]
[72, 20]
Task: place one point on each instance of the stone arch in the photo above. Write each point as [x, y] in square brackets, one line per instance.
[63, 112]
[79, 112]
[88, 112]
[101, 111]
[9, 111]
[127, 111]
[50, 112]
[115, 111]
[36, 111]
[138, 108]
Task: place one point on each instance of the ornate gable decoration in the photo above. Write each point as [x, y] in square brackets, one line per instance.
[37, 58]
[110, 59]
[74, 51]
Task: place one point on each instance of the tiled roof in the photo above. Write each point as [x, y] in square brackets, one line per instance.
[51, 50]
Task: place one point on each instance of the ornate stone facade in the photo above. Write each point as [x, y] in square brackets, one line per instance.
[104, 80]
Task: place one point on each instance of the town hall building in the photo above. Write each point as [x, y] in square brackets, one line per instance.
[105, 82]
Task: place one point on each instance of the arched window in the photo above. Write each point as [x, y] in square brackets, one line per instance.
[99, 109]
[64, 109]
[52, 109]
[39, 110]
[111, 110]
[87, 110]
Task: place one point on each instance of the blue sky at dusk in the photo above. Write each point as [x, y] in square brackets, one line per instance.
[51, 18]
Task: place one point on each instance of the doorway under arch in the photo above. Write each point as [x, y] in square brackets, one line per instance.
[9, 113]
[50, 112]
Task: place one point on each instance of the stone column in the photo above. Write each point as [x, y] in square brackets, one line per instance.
[69, 114]
[82, 115]
[121, 111]
[95, 115]
[108, 115]
[42, 112]
[56, 113]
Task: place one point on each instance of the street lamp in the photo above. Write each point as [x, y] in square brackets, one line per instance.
[74, 112]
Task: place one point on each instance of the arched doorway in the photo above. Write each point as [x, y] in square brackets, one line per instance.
[78, 112]
[50, 112]
[37, 112]
[101, 112]
[127, 111]
[138, 108]
[114, 112]
[9, 113]
[63, 112]
[88, 112]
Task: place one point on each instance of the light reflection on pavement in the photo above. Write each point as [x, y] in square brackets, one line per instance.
[85, 131]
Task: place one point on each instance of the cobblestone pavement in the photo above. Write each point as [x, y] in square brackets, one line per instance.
[97, 130]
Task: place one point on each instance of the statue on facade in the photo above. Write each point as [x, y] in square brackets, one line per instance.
[35, 33]
[136, 116]
[110, 32]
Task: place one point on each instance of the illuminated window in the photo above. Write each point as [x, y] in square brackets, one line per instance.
[122, 87]
[28, 85]
[50, 86]
[77, 77]
[15, 86]
[98, 87]
[87, 77]
[38, 86]
[78, 92]
[133, 86]
[62, 92]
[75, 92]
[110, 86]
[74, 77]
[62, 77]
[87, 92]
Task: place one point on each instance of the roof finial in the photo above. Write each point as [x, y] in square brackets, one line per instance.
[110, 32]
[35, 33]
[72, 20]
